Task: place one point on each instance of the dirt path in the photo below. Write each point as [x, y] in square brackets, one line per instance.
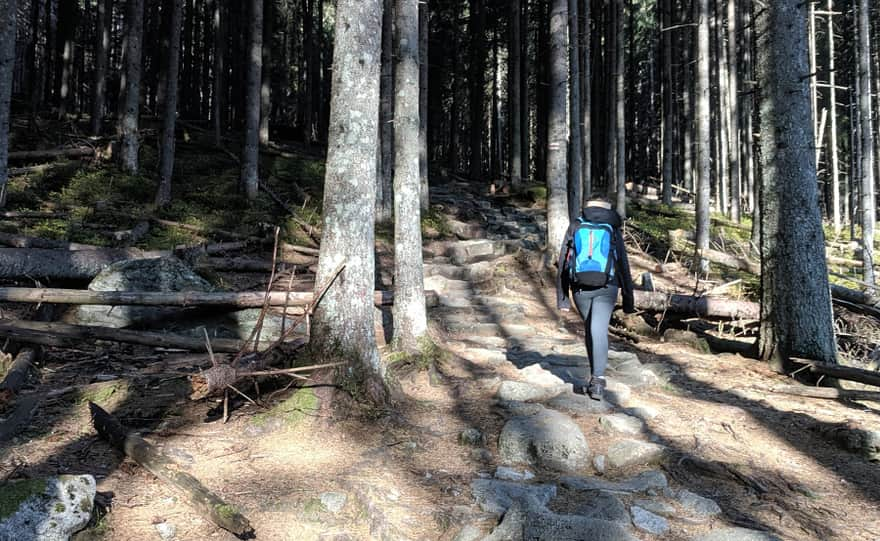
[490, 442]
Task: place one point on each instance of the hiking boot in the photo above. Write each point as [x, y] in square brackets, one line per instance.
[596, 388]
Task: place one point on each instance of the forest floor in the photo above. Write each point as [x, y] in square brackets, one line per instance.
[683, 429]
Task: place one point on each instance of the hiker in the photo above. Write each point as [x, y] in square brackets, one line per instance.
[593, 265]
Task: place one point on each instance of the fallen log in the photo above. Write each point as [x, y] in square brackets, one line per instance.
[679, 242]
[837, 371]
[32, 214]
[23, 241]
[55, 264]
[42, 168]
[854, 296]
[698, 306]
[30, 155]
[247, 299]
[65, 335]
[828, 393]
[202, 500]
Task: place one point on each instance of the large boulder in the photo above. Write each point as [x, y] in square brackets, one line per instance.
[165, 274]
[548, 439]
[46, 509]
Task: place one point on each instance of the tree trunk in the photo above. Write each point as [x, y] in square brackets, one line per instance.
[385, 185]
[343, 321]
[668, 101]
[477, 81]
[130, 142]
[102, 56]
[266, 77]
[587, 100]
[703, 132]
[409, 314]
[218, 113]
[795, 300]
[169, 115]
[575, 143]
[8, 11]
[557, 200]
[620, 106]
[424, 193]
[514, 95]
[733, 123]
[832, 103]
[250, 154]
[68, 13]
[869, 217]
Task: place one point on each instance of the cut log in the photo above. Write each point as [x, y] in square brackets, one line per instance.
[53, 264]
[696, 306]
[828, 393]
[202, 500]
[65, 335]
[247, 299]
[837, 371]
[32, 155]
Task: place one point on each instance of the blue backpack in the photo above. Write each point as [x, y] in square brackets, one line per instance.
[591, 262]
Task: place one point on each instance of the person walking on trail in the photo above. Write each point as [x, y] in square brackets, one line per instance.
[593, 266]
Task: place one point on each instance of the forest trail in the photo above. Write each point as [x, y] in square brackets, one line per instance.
[487, 441]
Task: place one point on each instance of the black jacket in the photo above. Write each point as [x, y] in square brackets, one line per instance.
[621, 263]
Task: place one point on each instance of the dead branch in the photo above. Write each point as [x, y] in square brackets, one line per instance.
[202, 500]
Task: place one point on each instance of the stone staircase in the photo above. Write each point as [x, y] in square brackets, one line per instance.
[550, 485]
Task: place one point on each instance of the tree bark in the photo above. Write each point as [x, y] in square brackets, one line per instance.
[424, 193]
[205, 502]
[669, 143]
[250, 153]
[409, 314]
[832, 103]
[102, 57]
[8, 11]
[868, 205]
[703, 132]
[620, 107]
[385, 184]
[557, 145]
[128, 125]
[575, 142]
[733, 104]
[169, 115]
[343, 321]
[795, 300]
[587, 100]
[514, 95]
[266, 76]
[477, 81]
[218, 114]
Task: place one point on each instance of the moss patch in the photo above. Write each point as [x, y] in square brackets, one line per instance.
[14, 493]
[298, 406]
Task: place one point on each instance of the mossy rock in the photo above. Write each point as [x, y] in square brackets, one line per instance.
[291, 412]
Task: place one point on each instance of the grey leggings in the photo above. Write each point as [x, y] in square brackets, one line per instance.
[596, 307]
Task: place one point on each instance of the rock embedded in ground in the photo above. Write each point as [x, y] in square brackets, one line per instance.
[464, 252]
[553, 527]
[547, 439]
[657, 507]
[617, 392]
[641, 483]
[334, 501]
[697, 507]
[164, 274]
[468, 533]
[510, 474]
[50, 509]
[472, 437]
[599, 464]
[736, 534]
[603, 506]
[647, 521]
[634, 452]
[623, 423]
[578, 405]
[495, 496]
[517, 408]
[166, 530]
[521, 391]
